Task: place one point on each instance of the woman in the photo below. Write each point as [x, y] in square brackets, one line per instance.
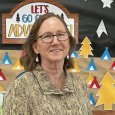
[47, 88]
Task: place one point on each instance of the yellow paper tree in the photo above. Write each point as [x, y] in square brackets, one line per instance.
[89, 79]
[107, 92]
[76, 68]
[17, 65]
[86, 48]
[1, 89]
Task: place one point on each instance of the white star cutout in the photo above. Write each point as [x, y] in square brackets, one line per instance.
[107, 3]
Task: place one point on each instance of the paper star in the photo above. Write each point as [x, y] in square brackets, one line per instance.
[107, 3]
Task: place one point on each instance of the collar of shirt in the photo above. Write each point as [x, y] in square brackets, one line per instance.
[48, 87]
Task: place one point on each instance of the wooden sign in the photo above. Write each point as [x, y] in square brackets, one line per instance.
[17, 24]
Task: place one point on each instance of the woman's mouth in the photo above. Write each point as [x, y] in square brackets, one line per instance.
[55, 50]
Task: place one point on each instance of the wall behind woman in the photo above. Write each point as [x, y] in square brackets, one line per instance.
[91, 12]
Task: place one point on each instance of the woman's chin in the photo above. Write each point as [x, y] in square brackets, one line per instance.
[56, 59]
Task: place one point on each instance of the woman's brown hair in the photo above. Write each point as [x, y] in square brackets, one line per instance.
[29, 57]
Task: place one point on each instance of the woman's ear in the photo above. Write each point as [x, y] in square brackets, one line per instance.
[35, 47]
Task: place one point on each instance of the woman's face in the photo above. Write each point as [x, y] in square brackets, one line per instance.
[56, 50]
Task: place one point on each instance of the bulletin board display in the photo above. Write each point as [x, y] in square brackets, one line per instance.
[11, 68]
[17, 24]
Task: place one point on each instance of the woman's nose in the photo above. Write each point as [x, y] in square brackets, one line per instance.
[55, 39]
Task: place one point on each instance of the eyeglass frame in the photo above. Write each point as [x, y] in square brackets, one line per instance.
[52, 35]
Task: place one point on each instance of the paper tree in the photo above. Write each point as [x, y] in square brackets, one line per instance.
[2, 77]
[106, 55]
[89, 79]
[91, 66]
[6, 59]
[112, 66]
[107, 92]
[1, 88]
[94, 84]
[86, 48]
[17, 65]
[76, 68]
[91, 99]
[101, 28]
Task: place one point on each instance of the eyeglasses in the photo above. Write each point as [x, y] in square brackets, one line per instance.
[47, 38]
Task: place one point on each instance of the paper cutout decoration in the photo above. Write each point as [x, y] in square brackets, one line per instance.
[91, 99]
[76, 68]
[17, 65]
[112, 66]
[101, 28]
[20, 75]
[107, 3]
[106, 55]
[89, 79]
[91, 66]
[86, 48]
[74, 54]
[6, 59]
[2, 77]
[94, 84]
[107, 92]
[1, 88]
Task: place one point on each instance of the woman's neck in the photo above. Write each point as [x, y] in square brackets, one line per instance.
[55, 73]
[53, 69]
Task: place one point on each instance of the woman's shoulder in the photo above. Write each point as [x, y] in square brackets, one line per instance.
[27, 76]
[24, 76]
[21, 82]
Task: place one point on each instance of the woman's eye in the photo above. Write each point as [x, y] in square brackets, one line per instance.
[47, 36]
[61, 34]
